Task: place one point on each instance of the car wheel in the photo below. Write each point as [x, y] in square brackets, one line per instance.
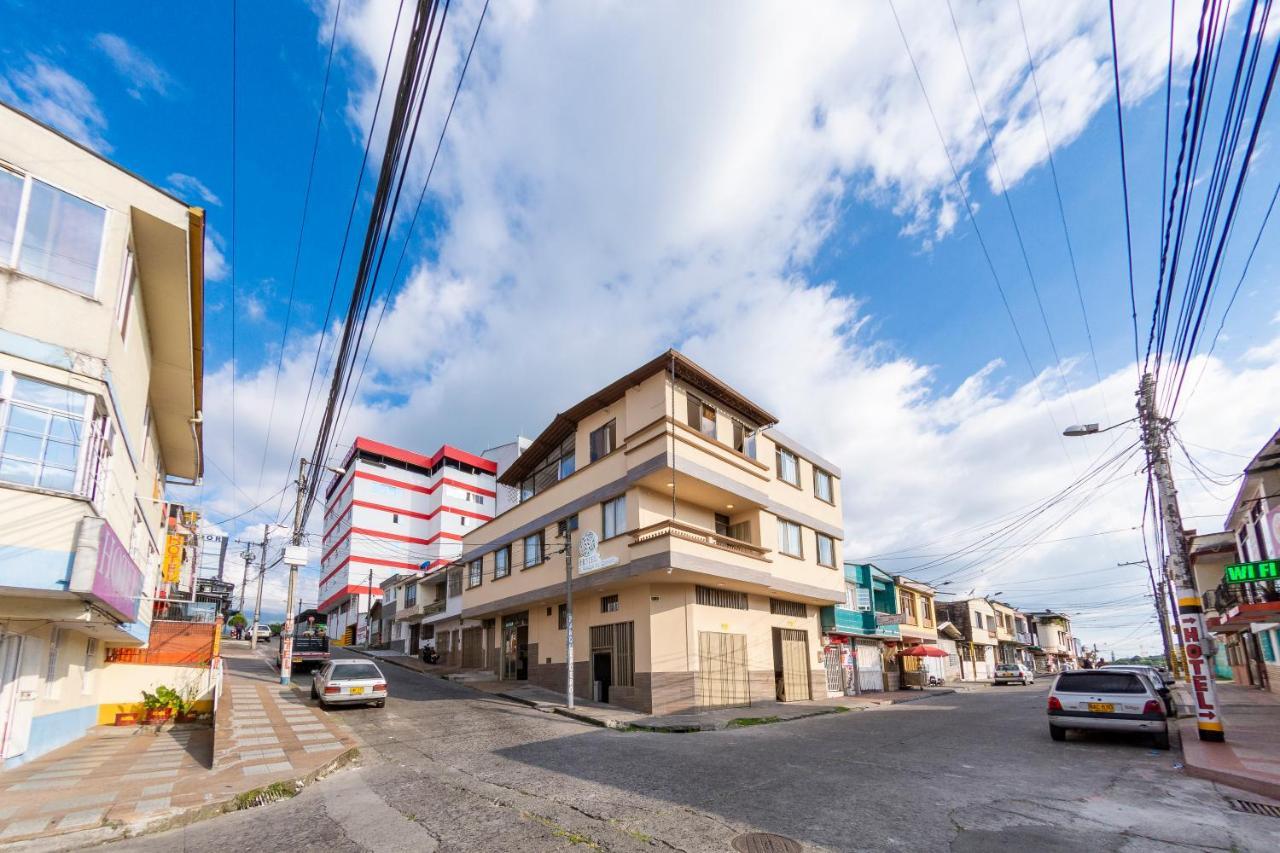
[381, 703]
[1160, 740]
[1057, 732]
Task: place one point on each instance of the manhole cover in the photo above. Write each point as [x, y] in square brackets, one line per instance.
[765, 842]
[1255, 808]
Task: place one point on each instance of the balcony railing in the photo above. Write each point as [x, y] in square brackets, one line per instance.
[701, 535]
[852, 621]
[185, 611]
[1024, 638]
[433, 608]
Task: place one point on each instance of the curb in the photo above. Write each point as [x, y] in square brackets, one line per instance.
[1186, 729]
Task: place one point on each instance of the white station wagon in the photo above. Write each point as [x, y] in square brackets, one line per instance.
[1107, 700]
[349, 682]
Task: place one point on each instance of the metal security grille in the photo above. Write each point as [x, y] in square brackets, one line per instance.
[473, 648]
[722, 671]
[619, 639]
[782, 607]
[720, 598]
[831, 661]
[793, 648]
[1264, 809]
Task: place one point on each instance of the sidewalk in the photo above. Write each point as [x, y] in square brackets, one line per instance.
[1250, 757]
[119, 781]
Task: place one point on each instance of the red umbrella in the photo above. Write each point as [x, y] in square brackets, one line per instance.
[923, 651]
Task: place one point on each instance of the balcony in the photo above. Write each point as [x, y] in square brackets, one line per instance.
[1023, 638]
[847, 621]
[694, 533]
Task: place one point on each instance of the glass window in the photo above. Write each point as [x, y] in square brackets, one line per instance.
[90, 664]
[788, 467]
[722, 524]
[502, 562]
[822, 486]
[744, 439]
[702, 415]
[43, 426]
[62, 238]
[850, 595]
[615, 517]
[604, 440]
[567, 525]
[10, 201]
[609, 604]
[475, 573]
[562, 617]
[826, 550]
[411, 595]
[1098, 681]
[533, 550]
[789, 538]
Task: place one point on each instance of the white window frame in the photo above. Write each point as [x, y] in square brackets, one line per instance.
[8, 382]
[475, 573]
[784, 526]
[20, 226]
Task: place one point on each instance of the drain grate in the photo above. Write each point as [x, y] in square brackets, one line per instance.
[765, 842]
[1255, 808]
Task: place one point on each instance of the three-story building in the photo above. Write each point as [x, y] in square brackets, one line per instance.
[703, 545]
[1053, 649]
[975, 619]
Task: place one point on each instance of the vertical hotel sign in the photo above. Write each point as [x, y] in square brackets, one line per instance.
[1191, 627]
[117, 581]
[171, 570]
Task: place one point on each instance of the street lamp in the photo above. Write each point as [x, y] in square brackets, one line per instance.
[1077, 430]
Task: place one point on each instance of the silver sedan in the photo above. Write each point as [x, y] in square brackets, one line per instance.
[349, 682]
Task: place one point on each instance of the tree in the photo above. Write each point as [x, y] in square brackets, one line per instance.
[277, 627]
[237, 621]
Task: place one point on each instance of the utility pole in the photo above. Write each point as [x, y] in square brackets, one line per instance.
[257, 604]
[286, 632]
[1191, 625]
[568, 614]
[1161, 615]
[247, 557]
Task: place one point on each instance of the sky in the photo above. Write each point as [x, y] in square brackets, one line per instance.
[766, 188]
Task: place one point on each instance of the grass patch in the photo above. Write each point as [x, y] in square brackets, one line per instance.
[262, 796]
[743, 722]
[841, 709]
[560, 832]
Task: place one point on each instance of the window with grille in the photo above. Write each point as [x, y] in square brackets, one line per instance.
[782, 607]
[562, 617]
[720, 598]
[603, 440]
[619, 640]
[454, 582]
[475, 573]
[502, 562]
[609, 604]
[411, 595]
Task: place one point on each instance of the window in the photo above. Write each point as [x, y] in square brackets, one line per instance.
[788, 467]
[502, 562]
[604, 440]
[850, 595]
[862, 598]
[562, 616]
[615, 517]
[789, 538]
[701, 415]
[90, 664]
[720, 598]
[781, 607]
[566, 525]
[41, 429]
[826, 550]
[823, 488]
[462, 521]
[558, 464]
[533, 550]
[474, 498]
[609, 604]
[475, 573]
[127, 288]
[411, 595]
[52, 687]
[568, 458]
[49, 234]
[744, 439]
[722, 524]
[454, 581]
[908, 603]
[395, 518]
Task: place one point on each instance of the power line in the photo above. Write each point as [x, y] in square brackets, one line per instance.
[234, 244]
[1124, 179]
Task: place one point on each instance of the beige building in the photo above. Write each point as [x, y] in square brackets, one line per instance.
[915, 604]
[1053, 648]
[101, 339]
[975, 619]
[704, 543]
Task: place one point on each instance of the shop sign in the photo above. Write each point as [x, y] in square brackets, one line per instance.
[891, 619]
[116, 578]
[589, 559]
[171, 570]
[1266, 570]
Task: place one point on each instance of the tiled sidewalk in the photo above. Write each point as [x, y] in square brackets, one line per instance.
[1250, 757]
[130, 778]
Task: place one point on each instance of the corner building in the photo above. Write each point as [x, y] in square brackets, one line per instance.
[719, 541]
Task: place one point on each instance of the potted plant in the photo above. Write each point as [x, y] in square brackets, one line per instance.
[156, 705]
[184, 705]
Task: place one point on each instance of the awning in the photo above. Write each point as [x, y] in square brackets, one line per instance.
[1239, 617]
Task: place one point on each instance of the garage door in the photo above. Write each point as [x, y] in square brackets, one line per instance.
[722, 670]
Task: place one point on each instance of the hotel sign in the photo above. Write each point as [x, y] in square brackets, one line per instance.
[589, 559]
[104, 570]
[1266, 570]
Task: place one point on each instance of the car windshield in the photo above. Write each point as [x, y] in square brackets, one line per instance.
[354, 671]
[1099, 681]
[1007, 667]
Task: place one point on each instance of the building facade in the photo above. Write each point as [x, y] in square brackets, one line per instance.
[394, 511]
[861, 634]
[1052, 648]
[101, 383]
[702, 543]
[1013, 635]
[919, 625]
[975, 620]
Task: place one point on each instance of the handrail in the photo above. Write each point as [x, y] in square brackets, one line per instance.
[694, 533]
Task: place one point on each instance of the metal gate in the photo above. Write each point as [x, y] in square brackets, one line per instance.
[870, 668]
[472, 648]
[791, 663]
[833, 662]
[722, 671]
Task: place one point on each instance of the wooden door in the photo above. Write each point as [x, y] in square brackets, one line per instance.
[791, 661]
[722, 671]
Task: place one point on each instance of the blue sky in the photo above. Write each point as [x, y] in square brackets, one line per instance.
[775, 203]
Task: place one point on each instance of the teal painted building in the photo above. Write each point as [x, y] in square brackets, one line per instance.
[868, 591]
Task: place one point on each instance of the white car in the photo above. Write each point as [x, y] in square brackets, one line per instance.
[1107, 700]
[1014, 673]
[349, 682]
[263, 631]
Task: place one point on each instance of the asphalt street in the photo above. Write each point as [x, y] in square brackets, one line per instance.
[447, 768]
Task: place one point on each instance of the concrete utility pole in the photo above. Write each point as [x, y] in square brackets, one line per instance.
[1191, 624]
[1157, 591]
[286, 632]
[247, 556]
[568, 614]
[257, 604]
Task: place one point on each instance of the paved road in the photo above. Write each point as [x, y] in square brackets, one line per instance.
[445, 768]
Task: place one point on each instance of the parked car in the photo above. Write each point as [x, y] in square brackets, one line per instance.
[1112, 700]
[1156, 677]
[1014, 673]
[349, 682]
[263, 631]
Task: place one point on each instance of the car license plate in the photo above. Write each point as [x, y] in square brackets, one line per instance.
[356, 691]
[1102, 707]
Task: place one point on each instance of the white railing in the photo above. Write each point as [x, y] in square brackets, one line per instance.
[694, 533]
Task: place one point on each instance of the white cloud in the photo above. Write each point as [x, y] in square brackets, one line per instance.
[215, 262]
[143, 75]
[184, 185]
[614, 185]
[57, 98]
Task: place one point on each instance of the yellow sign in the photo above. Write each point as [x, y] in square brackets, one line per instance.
[171, 571]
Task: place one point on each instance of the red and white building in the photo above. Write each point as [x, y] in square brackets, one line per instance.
[396, 512]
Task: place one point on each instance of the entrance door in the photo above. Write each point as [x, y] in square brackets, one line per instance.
[15, 708]
[515, 647]
[415, 639]
[602, 674]
[791, 664]
[832, 661]
[722, 671]
[870, 667]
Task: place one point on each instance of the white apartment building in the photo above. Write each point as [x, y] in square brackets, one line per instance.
[101, 381]
[392, 512]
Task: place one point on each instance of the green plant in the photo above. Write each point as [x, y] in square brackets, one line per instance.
[180, 702]
[237, 621]
[154, 701]
[743, 722]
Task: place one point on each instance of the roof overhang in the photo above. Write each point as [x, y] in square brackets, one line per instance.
[170, 262]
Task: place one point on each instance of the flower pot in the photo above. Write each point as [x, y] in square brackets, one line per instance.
[159, 715]
[127, 719]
